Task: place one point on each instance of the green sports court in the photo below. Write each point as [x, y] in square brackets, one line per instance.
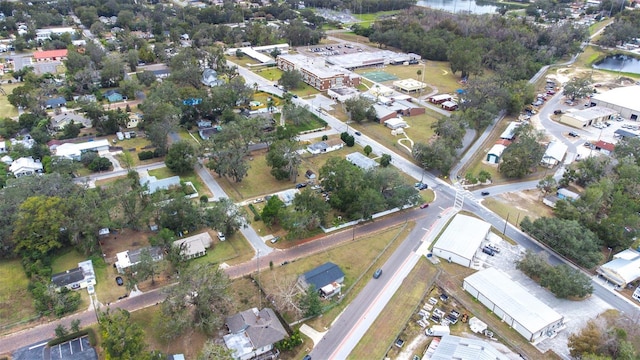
[379, 76]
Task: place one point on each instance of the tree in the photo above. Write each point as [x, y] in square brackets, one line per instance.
[547, 185]
[121, 337]
[224, 215]
[577, 88]
[284, 159]
[586, 341]
[367, 150]
[349, 140]
[181, 158]
[99, 164]
[310, 302]
[199, 301]
[311, 203]
[213, 351]
[437, 155]
[385, 160]
[112, 71]
[75, 325]
[145, 268]
[36, 230]
[146, 78]
[61, 331]
[359, 108]
[523, 155]
[534, 265]
[180, 215]
[270, 212]
[291, 79]
[565, 282]
[71, 131]
[465, 55]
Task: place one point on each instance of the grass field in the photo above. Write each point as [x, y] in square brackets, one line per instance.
[437, 74]
[243, 61]
[393, 318]
[6, 109]
[365, 20]
[235, 250]
[16, 303]
[518, 205]
[599, 25]
[272, 73]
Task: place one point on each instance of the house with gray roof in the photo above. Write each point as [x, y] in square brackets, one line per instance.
[325, 146]
[253, 333]
[55, 102]
[210, 78]
[361, 161]
[76, 278]
[327, 274]
[154, 184]
[129, 258]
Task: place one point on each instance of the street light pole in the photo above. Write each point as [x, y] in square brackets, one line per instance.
[609, 256]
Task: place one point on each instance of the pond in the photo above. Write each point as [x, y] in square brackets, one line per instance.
[455, 6]
[622, 63]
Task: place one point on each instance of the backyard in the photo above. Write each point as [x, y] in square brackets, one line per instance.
[16, 303]
[164, 172]
[6, 109]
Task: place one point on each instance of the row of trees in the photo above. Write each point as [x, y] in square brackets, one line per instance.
[563, 281]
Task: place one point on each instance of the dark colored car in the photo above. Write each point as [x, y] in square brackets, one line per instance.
[424, 206]
[557, 112]
[301, 185]
[423, 186]
[358, 133]
[377, 273]
[484, 193]
[488, 251]
[573, 134]
[307, 357]
[119, 281]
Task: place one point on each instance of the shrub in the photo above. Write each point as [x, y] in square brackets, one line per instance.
[145, 155]
[256, 214]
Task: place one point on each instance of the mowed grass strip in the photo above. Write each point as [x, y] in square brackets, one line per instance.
[16, 303]
[393, 318]
[6, 109]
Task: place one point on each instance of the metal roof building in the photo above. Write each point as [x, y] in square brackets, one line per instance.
[459, 348]
[623, 100]
[461, 239]
[514, 304]
[554, 154]
[361, 161]
[623, 269]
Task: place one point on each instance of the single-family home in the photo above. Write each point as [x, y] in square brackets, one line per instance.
[153, 184]
[77, 278]
[210, 78]
[253, 333]
[55, 102]
[623, 269]
[510, 132]
[325, 146]
[554, 154]
[361, 161]
[129, 258]
[7, 160]
[327, 279]
[26, 141]
[58, 122]
[206, 133]
[194, 246]
[604, 147]
[113, 96]
[566, 194]
[25, 166]
[74, 151]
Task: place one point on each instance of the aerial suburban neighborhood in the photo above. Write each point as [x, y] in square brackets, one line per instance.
[319, 179]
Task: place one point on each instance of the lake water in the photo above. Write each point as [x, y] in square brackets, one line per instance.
[455, 6]
[620, 63]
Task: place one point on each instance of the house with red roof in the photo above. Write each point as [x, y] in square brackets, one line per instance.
[604, 147]
[50, 55]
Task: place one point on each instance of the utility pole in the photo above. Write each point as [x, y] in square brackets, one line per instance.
[505, 224]
[258, 280]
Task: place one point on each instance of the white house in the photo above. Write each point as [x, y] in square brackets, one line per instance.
[129, 258]
[77, 278]
[514, 304]
[194, 246]
[325, 146]
[253, 333]
[74, 151]
[554, 154]
[25, 166]
[623, 269]
[361, 161]
[461, 239]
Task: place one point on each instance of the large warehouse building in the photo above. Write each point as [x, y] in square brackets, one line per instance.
[461, 239]
[587, 117]
[513, 304]
[624, 100]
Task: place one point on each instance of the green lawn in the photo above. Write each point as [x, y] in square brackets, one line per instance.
[437, 74]
[235, 250]
[243, 61]
[366, 20]
[16, 303]
[272, 73]
[599, 25]
[6, 109]
[390, 323]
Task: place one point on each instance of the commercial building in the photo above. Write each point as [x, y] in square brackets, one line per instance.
[461, 239]
[395, 123]
[514, 304]
[342, 94]
[372, 59]
[587, 117]
[50, 55]
[622, 100]
[460, 348]
[316, 73]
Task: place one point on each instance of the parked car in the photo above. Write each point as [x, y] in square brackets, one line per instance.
[573, 134]
[300, 185]
[557, 112]
[221, 236]
[423, 186]
[275, 239]
[424, 206]
[488, 251]
[484, 193]
[119, 280]
[377, 274]
[358, 133]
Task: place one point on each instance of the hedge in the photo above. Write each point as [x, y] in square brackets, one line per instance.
[255, 212]
[88, 331]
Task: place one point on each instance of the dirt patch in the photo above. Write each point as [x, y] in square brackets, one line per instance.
[123, 240]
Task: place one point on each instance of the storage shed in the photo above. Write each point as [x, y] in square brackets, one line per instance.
[494, 154]
[461, 239]
[514, 304]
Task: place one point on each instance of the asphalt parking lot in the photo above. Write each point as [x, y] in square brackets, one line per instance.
[76, 349]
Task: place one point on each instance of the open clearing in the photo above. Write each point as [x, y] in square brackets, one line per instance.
[16, 304]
